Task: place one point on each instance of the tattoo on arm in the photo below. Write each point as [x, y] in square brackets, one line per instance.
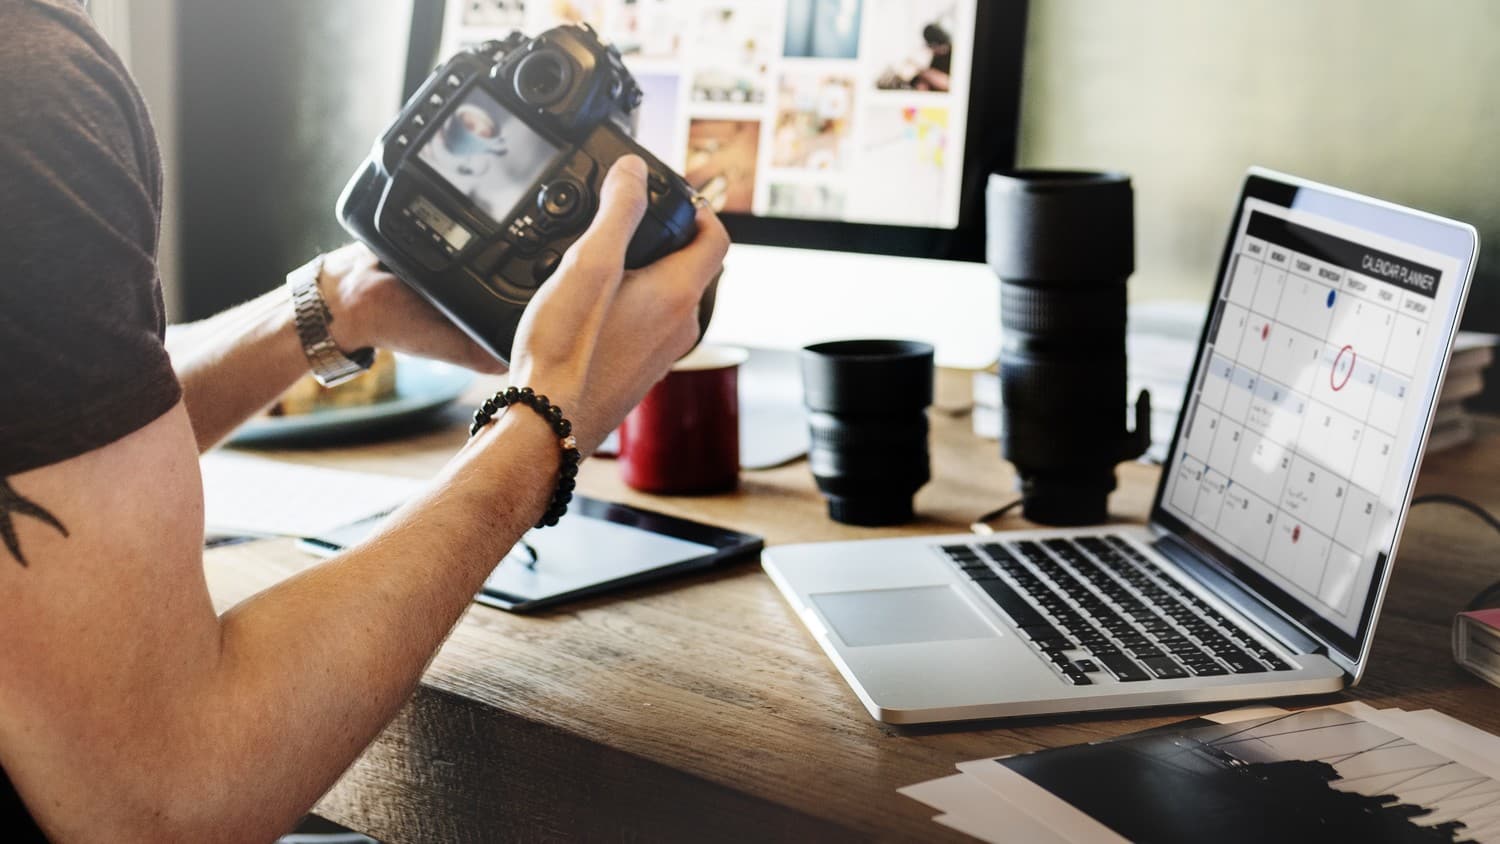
[11, 503]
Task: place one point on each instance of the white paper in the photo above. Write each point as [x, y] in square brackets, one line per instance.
[975, 810]
[252, 495]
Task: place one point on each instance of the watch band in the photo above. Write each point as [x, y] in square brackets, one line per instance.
[329, 364]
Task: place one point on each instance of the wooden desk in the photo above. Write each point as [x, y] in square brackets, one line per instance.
[700, 708]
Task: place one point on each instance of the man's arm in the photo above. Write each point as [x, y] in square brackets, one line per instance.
[234, 364]
[128, 706]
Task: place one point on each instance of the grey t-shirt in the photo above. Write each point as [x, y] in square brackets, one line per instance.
[81, 320]
[82, 362]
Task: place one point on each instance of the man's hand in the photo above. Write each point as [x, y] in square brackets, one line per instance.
[371, 307]
[597, 337]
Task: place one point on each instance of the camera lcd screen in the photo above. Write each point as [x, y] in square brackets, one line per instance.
[487, 154]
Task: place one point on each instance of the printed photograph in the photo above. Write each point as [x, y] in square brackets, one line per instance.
[1315, 776]
[911, 41]
[650, 29]
[900, 172]
[813, 202]
[495, 14]
[812, 122]
[732, 46]
[656, 119]
[822, 29]
[721, 162]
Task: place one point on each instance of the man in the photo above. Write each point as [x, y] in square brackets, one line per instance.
[128, 708]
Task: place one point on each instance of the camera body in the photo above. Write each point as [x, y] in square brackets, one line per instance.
[493, 169]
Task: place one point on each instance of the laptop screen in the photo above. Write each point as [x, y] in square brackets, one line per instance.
[1310, 399]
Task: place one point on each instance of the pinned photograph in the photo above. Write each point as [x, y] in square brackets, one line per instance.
[495, 14]
[812, 122]
[822, 29]
[650, 29]
[912, 44]
[900, 172]
[733, 44]
[721, 162]
[812, 202]
[590, 12]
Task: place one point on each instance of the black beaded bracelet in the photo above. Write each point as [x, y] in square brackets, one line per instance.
[566, 475]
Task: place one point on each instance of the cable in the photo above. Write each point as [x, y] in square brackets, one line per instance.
[1493, 589]
[980, 525]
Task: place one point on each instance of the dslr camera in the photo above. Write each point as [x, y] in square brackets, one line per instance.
[493, 169]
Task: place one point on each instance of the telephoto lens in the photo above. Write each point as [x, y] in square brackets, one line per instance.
[1063, 246]
[867, 406]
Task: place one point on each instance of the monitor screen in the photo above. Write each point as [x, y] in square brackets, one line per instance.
[1310, 401]
[863, 125]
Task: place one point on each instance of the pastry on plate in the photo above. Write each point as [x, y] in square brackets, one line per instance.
[307, 395]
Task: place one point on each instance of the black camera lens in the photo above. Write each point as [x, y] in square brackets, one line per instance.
[542, 77]
[867, 413]
[1063, 245]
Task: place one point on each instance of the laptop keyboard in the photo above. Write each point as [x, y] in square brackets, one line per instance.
[1096, 605]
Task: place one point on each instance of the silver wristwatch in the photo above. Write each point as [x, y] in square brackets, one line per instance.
[330, 365]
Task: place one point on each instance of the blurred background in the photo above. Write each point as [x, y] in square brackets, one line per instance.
[266, 107]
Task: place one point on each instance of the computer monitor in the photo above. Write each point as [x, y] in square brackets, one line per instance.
[845, 143]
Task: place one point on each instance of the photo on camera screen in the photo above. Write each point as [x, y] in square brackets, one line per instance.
[488, 155]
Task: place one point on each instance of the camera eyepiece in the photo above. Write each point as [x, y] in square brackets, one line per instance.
[543, 77]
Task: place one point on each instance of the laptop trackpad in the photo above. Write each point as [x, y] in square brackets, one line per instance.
[901, 616]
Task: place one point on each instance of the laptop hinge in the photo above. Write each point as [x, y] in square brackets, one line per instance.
[1211, 574]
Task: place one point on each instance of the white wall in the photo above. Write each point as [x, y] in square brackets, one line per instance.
[1391, 97]
[144, 33]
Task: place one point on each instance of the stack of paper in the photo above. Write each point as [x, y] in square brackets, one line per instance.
[254, 496]
[1341, 773]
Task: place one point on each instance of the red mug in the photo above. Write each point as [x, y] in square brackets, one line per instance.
[684, 437]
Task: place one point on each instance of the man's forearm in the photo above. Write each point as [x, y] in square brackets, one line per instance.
[236, 363]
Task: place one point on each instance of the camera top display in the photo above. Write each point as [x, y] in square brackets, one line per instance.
[494, 168]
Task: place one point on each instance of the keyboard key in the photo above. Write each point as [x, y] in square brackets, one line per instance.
[1021, 612]
[1122, 667]
[1209, 670]
[1040, 632]
[1241, 663]
[1087, 666]
[1076, 677]
[1164, 668]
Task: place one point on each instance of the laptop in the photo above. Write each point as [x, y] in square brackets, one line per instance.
[1274, 526]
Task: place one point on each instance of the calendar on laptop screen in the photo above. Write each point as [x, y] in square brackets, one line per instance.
[1309, 404]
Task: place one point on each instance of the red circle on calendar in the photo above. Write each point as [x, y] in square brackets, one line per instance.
[1265, 331]
[1296, 532]
[1333, 374]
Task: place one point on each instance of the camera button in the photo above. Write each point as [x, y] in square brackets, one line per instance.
[419, 121]
[454, 81]
[560, 199]
[545, 266]
[436, 100]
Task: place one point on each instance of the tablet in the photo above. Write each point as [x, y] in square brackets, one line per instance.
[598, 547]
